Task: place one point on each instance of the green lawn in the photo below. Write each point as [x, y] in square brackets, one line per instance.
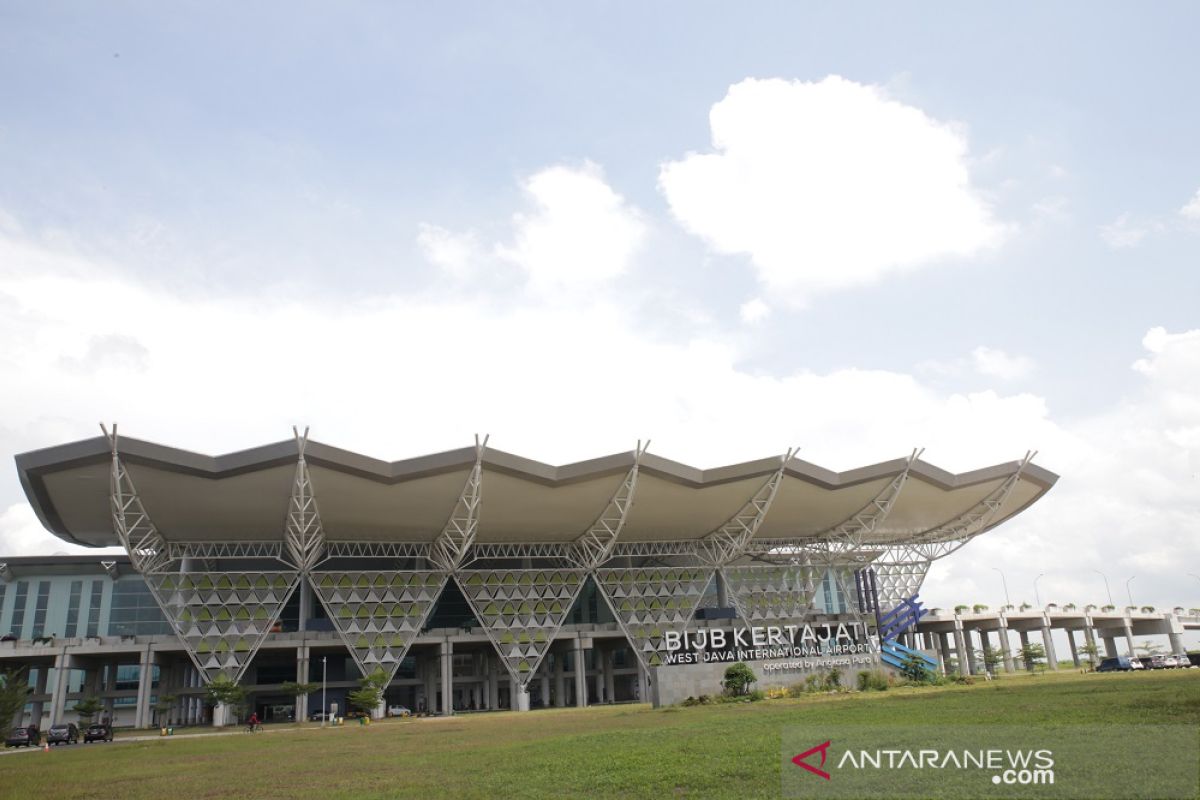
[615, 751]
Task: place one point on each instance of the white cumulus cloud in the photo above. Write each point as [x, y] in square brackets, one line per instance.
[579, 232]
[1192, 209]
[999, 364]
[829, 184]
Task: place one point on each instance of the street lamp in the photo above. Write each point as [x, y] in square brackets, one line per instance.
[1127, 592]
[1102, 575]
[1037, 598]
[324, 706]
[1007, 600]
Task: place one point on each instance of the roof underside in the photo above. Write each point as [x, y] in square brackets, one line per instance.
[244, 495]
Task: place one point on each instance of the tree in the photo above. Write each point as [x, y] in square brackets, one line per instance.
[163, 704]
[87, 708]
[14, 693]
[298, 690]
[961, 608]
[369, 695]
[916, 670]
[1147, 609]
[222, 690]
[979, 608]
[1150, 649]
[1091, 652]
[738, 678]
[990, 658]
[1025, 606]
[1033, 654]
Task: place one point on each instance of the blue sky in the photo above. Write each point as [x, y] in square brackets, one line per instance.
[456, 184]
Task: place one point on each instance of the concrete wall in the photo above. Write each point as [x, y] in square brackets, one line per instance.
[674, 684]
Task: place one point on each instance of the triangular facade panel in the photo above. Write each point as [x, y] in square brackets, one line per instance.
[648, 602]
[771, 592]
[378, 613]
[216, 616]
[521, 611]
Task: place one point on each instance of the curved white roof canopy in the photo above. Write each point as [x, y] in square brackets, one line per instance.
[244, 496]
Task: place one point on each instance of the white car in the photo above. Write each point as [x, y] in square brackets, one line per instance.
[399, 711]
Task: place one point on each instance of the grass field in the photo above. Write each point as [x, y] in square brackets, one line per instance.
[611, 751]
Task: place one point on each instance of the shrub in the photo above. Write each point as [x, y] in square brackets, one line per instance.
[756, 695]
[738, 678]
[812, 683]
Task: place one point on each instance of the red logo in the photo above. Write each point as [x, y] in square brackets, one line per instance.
[800, 762]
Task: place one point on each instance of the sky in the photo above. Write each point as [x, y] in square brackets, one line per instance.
[852, 228]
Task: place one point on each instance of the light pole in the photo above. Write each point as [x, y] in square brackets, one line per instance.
[1102, 575]
[1127, 591]
[1007, 600]
[324, 707]
[1037, 598]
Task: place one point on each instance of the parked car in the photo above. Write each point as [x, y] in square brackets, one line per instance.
[98, 732]
[317, 716]
[1158, 662]
[1119, 664]
[66, 733]
[399, 711]
[24, 736]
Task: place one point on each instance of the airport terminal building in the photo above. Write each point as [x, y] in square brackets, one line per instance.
[474, 579]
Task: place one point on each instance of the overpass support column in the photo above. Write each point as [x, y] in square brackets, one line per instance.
[1048, 643]
[1110, 647]
[581, 692]
[944, 652]
[141, 717]
[960, 643]
[1074, 650]
[62, 684]
[1129, 635]
[446, 653]
[1024, 637]
[1005, 646]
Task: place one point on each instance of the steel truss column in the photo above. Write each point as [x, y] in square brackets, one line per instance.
[595, 546]
[941, 541]
[452, 544]
[728, 542]
[303, 532]
[146, 547]
[840, 548]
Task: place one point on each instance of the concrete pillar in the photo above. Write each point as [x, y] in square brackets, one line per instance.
[37, 707]
[302, 657]
[1048, 643]
[1129, 635]
[1074, 650]
[972, 656]
[560, 680]
[1024, 637]
[62, 684]
[518, 696]
[722, 591]
[146, 662]
[110, 685]
[306, 605]
[1110, 646]
[606, 663]
[545, 686]
[581, 698]
[1005, 647]
[944, 641]
[446, 651]
[964, 666]
[643, 683]
[493, 683]
[1177, 647]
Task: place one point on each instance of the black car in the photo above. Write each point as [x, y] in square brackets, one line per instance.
[317, 716]
[66, 733]
[98, 732]
[25, 736]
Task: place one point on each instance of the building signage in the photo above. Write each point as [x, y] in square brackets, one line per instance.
[768, 642]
